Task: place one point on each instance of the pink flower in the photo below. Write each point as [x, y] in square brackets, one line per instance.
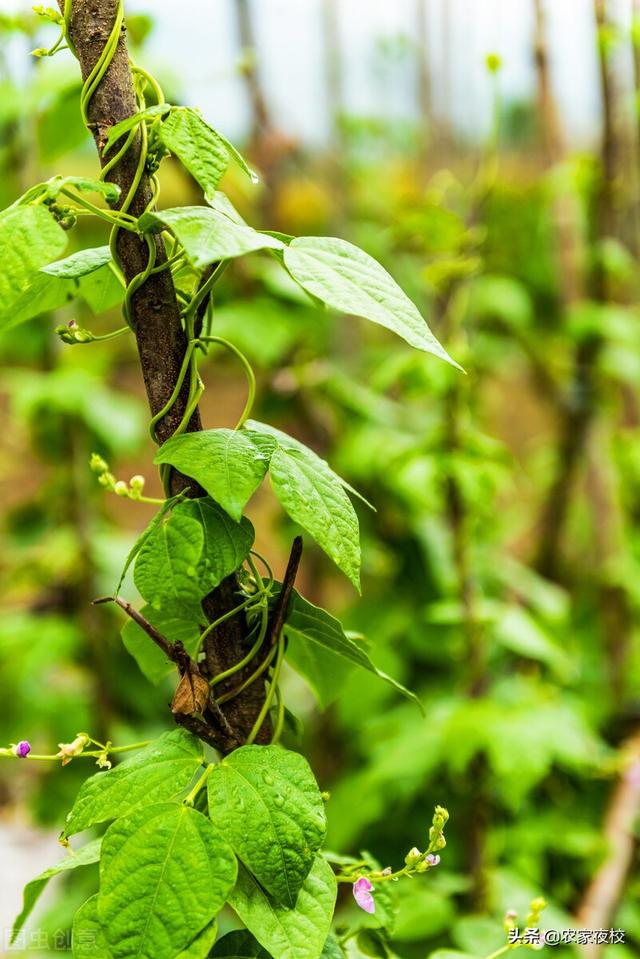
[362, 889]
[433, 860]
[21, 749]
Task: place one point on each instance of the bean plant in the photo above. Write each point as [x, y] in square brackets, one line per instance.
[216, 812]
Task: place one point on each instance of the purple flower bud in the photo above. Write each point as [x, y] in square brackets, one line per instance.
[362, 888]
[433, 860]
[21, 749]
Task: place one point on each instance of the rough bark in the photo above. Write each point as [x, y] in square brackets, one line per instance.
[160, 338]
[159, 334]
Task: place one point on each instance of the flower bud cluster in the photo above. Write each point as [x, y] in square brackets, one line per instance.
[436, 832]
[133, 489]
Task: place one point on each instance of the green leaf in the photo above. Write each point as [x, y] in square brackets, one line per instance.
[223, 205]
[33, 890]
[200, 947]
[158, 772]
[110, 191]
[318, 648]
[287, 442]
[226, 542]
[228, 464]
[166, 570]
[207, 235]
[298, 933]
[144, 536]
[101, 290]
[332, 949]
[59, 127]
[29, 238]
[119, 129]
[235, 154]
[174, 626]
[348, 279]
[266, 800]
[196, 145]
[313, 497]
[88, 937]
[165, 873]
[41, 295]
[239, 945]
[79, 264]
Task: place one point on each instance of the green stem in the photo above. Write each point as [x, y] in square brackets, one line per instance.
[223, 619]
[7, 754]
[206, 288]
[252, 652]
[251, 379]
[115, 159]
[254, 552]
[273, 685]
[499, 952]
[250, 679]
[94, 79]
[277, 732]
[176, 391]
[152, 82]
[189, 800]
[112, 335]
[114, 217]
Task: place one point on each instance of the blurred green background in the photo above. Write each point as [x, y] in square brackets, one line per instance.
[488, 156]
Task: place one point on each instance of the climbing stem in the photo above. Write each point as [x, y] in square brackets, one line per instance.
[273, 685]
[189, 800]
[251, 379]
